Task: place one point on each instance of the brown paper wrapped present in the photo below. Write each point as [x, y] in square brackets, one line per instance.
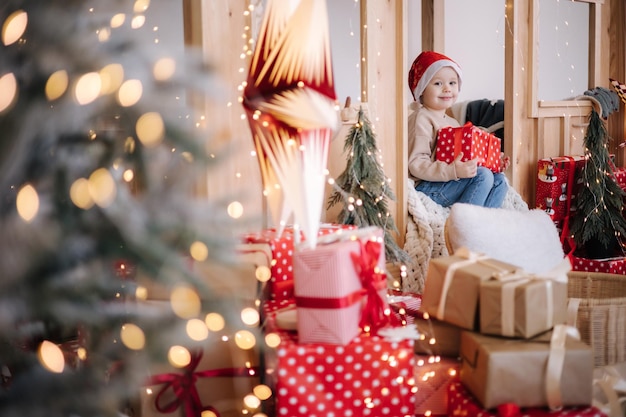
[524, 305]
[440, 338]
[554, 369]
[453, 283]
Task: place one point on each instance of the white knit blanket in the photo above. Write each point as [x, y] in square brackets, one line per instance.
[425, 233]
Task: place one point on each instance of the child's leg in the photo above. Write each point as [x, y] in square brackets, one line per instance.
[498, 191]
[447, 193]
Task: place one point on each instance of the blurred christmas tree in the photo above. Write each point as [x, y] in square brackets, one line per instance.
[364, 189]
[598, 225]
[97, 169]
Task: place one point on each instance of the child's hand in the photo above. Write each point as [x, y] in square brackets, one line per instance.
[465, 169]
[505, 161]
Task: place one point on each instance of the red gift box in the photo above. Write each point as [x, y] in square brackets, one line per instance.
[371, 376]
[341, 287]
[557, 185]
[404, 306]
[610, 266]
[280, 285]
[473, 142]
[462, 403]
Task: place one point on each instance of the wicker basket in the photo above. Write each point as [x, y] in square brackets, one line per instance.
[601, 313]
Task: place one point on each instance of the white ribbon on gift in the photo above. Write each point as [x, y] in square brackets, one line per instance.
[611, 383]
[556, 357]
[469, 259]
[513, 280]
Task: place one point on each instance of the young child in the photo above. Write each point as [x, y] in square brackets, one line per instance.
[435, 81]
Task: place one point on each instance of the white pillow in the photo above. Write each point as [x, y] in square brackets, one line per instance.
[528, 239]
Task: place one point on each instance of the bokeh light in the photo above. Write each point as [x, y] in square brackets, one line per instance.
[150, 129]
[80, 195]
[199, 251]
[102, 187]
[8, 86]
[250, 316]
[178, 356]
[185, 302]
[118, 20]
[262, 391]
[164, 69]
[132, 336]
[251, 401]
[57, 85]
[14, 27]
[51, 357]
[272, 340]
[263, 273]
[111, 78]
[88, 88]
[130, 93]
[215, 322]
[27, 203]
[235, 209]
[245, 340]
[197, 330]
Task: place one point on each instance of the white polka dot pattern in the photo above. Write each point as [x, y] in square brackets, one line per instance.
[473, 142]
[462, 403]
[615, 266]
[368, 377]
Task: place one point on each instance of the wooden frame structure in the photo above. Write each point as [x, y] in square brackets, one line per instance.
[533, 129]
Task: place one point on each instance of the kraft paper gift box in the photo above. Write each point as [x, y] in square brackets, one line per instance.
[440, 338]
[553, 369]
[331, 294]
[433, 375]
[453, 283]
[524, 305]
[473, 142]
[462, 403]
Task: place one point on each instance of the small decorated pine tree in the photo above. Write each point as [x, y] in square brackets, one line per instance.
[364, 189]
[598, 225]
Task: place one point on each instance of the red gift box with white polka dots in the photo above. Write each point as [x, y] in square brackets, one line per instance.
[609, 266]
[280, 285]
[473, 142]
[371, 376]
[462, 403]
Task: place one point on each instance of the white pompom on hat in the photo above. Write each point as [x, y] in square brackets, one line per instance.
[424, 69]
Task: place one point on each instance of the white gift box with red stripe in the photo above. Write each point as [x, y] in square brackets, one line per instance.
[340, 285]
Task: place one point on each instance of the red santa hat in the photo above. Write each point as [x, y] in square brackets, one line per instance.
[424, 69]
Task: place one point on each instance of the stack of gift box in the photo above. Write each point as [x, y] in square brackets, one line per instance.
[506, 327]
[340, 348]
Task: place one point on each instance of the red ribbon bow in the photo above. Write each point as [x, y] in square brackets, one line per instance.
[183, 386]
[366, 267]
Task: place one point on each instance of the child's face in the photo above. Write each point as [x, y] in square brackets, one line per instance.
[442, 91]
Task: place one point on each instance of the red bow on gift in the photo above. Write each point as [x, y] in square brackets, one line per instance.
[366, 267]
[183, 387]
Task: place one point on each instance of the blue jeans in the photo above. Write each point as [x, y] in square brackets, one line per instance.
[485, 189]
